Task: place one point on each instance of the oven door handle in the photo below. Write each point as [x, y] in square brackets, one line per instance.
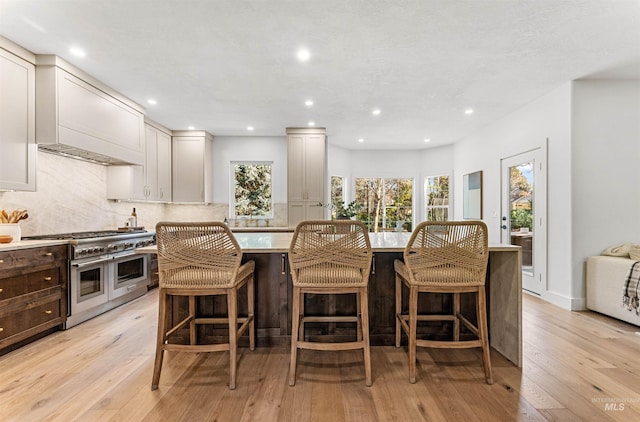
[97, 261]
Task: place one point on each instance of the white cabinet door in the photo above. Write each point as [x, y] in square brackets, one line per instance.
[314, 172]
[295, 168]
[151, 164]
[192, 163]
[306, 152]
[18, 148]
[164, 167]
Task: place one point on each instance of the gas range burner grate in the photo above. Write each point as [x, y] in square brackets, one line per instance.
[81, 235]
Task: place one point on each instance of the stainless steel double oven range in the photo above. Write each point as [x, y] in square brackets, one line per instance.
[104, 270]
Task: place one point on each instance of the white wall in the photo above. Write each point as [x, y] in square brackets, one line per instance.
[546, 118]
[605, 169]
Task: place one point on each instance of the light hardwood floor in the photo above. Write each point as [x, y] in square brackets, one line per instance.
[577, 366]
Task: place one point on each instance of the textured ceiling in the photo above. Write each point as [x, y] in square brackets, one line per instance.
[224, 65]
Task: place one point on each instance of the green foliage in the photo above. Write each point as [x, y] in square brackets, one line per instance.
[340, 210]
[253, 189]
[521, 218]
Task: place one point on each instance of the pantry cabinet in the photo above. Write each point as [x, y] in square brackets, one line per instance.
[306, 162]
[192, 166]
[33, 293]
[17, 121]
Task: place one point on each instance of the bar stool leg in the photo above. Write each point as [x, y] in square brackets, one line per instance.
[295, 321]
[398, 309]
[413, 328]
[456, 320]
[481, 312]
[359, 317]
[162, 323]
[232, 306]
[364, 316]
[192, 323]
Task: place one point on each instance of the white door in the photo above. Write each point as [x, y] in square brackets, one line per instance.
[524, 213]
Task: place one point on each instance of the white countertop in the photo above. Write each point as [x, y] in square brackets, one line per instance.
[279, 242]
[25, 244]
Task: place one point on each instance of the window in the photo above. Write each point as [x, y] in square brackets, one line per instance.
[252, 189]
[437, 195]
[386, 203]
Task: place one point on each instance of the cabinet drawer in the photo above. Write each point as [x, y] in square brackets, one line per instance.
[13, 324]
[32, 257]
[23, 284]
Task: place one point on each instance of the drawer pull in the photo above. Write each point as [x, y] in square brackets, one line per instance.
[48, 312]
[1, 329]
[1, 261]
[47, 279]
[1, 290]
[48, 254]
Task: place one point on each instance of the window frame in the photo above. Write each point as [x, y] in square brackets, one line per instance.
[427, 207]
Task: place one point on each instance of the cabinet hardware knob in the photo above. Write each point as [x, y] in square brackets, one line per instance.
[48, 254]
[47, 279]
[1, 290]
[1, 329]
[1, 261]
[48, 312]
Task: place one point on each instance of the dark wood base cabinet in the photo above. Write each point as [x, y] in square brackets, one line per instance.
[33, 294]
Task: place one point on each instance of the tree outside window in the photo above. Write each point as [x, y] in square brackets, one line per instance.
[386, 203]
[252, 189]
[337, 190]
[437, 195]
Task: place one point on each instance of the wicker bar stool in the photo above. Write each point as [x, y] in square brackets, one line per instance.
[444, 257]
[201, 259]
[330, 257]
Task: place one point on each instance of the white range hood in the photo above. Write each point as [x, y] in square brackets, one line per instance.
[78, 116]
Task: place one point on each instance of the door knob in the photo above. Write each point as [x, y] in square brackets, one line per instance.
[504, 227]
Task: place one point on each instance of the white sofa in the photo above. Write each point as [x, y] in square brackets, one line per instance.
[606, 276]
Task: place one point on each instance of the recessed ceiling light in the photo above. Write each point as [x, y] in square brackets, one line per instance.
[427, 140]
[311, 123]
[152, 101]
[361, 140]
[78, 52]
[376, 111]
[468, 111]
[308, 103]
[249, 128]
[303, 55]
[191, 127]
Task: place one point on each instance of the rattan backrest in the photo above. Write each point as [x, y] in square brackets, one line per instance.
[331, 246]
[451, 252]
[197, 255]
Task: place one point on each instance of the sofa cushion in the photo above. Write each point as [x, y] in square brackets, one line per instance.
[634, 252]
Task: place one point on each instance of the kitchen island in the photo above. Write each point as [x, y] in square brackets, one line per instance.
[274, 292]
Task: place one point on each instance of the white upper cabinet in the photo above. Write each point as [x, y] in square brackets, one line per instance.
[17, 121]
[151, 182]
[192, 166]
[306, 162]
[78, 115]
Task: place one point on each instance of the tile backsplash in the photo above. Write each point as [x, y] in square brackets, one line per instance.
[71, 196]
